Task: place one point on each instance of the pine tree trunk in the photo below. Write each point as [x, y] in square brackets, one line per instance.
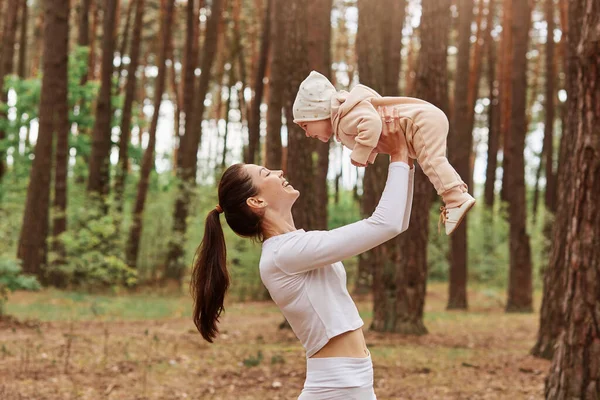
[506, 91]
[431, 84]
[254, 114]
[22, 64]
[92, 40]
[575, 371]
[188, 154]
[130, 92]
[124, 41]
[460, 143]
[551, 313]
[378, 53]
[550, 195]
[98, 182]
[135, 232]
[6, 60]
[277, 77]
[493, 114]
[83, 38]
[32, 241]
[319, 59]
[520, 274]
[38, 41]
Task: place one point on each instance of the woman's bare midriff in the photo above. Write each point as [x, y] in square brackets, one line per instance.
[347, 344]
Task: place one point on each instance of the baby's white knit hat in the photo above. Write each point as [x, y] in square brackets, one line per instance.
[313, 101]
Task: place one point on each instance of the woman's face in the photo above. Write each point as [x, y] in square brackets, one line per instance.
[274, 191]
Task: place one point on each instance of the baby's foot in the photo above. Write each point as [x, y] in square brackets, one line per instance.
[452, 217]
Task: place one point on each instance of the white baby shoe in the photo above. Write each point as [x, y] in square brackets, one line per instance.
[452, 217]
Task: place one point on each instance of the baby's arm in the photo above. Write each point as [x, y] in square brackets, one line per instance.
[368, 131]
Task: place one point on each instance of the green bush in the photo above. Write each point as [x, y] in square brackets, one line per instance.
[11, 279]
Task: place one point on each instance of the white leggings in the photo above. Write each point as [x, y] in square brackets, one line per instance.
[338, 378]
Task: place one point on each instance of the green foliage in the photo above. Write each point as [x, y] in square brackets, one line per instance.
[94, 254]
[12, 279]
[254, 361]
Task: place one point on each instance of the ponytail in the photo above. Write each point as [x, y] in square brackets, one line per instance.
[210, 279]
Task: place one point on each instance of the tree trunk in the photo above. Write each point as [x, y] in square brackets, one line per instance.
[520, 274]
[460, 143]
[83, 38]
[254, 115]
[124, 41]
[575, 371]
[506, 91]
[277, 77]
[493, 114]
[431, 84]
[378, 53]
[135, 232]
[319, 59]
[130, 92]
[98, 182]
[92, 40]
[6, 61]
[32, 241]
[548, 151]
[188, 154]
[551, 313]
[23, 40]
[38, 41]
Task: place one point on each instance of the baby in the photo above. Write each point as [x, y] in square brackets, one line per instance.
[354, 118]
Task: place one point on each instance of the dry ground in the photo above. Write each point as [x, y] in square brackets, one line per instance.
[98, 353]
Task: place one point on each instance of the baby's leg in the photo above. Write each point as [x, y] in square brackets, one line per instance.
[430, 130]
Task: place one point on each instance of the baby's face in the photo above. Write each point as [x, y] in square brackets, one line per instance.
[321, 130]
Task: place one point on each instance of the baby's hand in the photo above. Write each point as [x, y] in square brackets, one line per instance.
[357, 164]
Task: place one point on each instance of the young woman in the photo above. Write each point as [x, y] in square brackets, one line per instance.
[303, 270]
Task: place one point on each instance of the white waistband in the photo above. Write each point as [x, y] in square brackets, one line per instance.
[339, 372]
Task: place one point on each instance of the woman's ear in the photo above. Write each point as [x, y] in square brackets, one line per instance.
[256, 203]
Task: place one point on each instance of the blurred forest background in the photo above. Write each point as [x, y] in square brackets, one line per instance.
[119, 116]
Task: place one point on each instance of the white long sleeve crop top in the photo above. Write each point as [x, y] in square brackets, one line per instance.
[304, 274]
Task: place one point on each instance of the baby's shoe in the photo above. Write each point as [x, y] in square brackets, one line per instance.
[452, 217]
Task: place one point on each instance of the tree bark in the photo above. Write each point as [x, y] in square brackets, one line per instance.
[6, 60]
[575, 370]
[22, 64]
[460, 143]
[32, 242]
[188, 154]
[130, 92]
[83, 38]
[38, 42]
[135, 232]
[520, 274]
[254, 114]
[277, 77]
[98, 181]
[493, 114]
[506, 92]
[548, 151]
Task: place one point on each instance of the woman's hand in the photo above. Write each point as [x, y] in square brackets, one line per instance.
[392, 140]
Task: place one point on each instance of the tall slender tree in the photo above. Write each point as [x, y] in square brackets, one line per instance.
[493, 114]
[194, 110]
[520, 284]
[277, 77]
[135, 231]
[575, 372]
[22, 64]
[460, 143]
[506, 90]
[53, 114]
[130, 92]
[550, 99]
[6, 60]
[98, 182]
[254, 114]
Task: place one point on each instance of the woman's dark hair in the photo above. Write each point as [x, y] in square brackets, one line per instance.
[210, 279]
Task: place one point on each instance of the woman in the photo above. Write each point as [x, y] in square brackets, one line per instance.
[303, 270]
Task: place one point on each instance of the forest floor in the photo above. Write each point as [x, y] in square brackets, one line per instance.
[76, 346]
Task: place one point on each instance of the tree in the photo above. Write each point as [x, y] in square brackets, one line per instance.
[259, 87]
[6, 59]
[506, 90]
[194, 110]
[52, 117]
[135, 232]
[130, 91]
[574, 372]
[98, 181]
[319, 59]
[21, 67]
[460, 143]
[520, 274]
[277, 76]
[550, 96]
[493, 114]
[431, 84]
